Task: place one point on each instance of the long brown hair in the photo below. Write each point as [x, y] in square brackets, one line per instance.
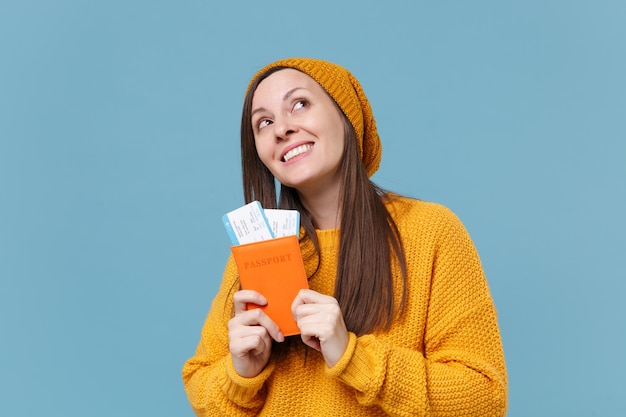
[369, 239]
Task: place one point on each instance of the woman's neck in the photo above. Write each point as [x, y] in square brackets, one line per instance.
[324, 207]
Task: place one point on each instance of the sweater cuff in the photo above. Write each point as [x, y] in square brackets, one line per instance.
[343, 362]
[361, 367]
[240, 389]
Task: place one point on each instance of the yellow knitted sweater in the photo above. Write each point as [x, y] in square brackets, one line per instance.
[442, 357]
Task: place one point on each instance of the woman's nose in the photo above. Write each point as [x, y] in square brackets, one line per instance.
[284, 128]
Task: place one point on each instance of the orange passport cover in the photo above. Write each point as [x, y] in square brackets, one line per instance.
[275, 269]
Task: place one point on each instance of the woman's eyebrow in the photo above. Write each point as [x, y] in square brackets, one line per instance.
[257, 110]
[290, 92]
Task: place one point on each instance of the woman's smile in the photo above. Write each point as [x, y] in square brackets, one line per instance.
[297, 151]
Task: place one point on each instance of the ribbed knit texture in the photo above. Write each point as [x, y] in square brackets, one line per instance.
[347, 92]
[442, 357]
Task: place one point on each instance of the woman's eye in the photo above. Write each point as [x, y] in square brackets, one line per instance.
[263, 123]
[300, 104]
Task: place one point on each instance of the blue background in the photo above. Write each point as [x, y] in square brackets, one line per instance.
[119, 153]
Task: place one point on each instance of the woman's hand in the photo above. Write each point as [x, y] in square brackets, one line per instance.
[321, 324]
[250, 334]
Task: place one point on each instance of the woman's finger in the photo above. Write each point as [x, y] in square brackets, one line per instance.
[307, 296]
[245, 321]
[242, 298]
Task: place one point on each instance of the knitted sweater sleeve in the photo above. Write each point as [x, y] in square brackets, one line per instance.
[460, 371]
[213, 386]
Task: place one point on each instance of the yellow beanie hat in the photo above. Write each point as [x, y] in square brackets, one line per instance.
[345, 89]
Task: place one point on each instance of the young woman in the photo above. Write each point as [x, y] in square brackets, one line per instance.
[398, 319]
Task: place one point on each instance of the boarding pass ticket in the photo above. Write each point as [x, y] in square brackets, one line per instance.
[251, 223]
[283, 222]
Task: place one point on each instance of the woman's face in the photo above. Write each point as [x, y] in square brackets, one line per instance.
[298, 131]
